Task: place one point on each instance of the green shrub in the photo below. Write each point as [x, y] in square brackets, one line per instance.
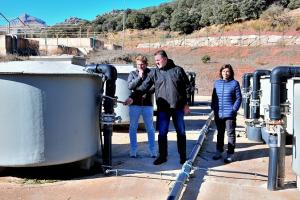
[205, 59]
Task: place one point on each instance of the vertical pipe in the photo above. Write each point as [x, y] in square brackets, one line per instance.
[281, 159]
[278, 79]
[256, 90]
[275, 102]
[273, 159]
[246, 96]
[110, 73]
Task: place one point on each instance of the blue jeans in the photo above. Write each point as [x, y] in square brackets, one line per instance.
[134, 113]
[164, 121]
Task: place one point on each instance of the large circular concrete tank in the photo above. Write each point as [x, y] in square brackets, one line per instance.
[49, 113]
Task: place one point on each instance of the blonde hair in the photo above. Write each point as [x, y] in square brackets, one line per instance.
[142, 59]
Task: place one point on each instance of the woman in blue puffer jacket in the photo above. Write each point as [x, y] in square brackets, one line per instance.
[226, 101]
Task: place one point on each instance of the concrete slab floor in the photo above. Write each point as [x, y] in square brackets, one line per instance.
[140, 179]
[244, 179]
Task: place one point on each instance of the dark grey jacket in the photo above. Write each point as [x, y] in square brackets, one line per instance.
[172, 87]
[134, 81]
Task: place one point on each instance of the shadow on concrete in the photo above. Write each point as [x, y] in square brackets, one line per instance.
[207, 164]
[48, 174]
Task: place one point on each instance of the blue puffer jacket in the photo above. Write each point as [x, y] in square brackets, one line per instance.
[226, 98]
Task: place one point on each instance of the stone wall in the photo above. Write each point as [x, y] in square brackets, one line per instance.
[244, 40]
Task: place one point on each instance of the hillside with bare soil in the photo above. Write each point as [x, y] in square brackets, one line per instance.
[243, 59]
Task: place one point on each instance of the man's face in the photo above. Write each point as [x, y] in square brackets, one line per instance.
[140, 65]
[160, 61]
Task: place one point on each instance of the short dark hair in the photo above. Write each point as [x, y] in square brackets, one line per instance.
[162, 53]
[227, 66]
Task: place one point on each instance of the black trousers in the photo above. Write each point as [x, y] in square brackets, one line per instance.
[228, 124]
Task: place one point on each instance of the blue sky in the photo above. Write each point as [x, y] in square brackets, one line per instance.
[54, 11]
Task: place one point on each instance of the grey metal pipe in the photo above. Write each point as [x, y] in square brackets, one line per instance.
[256, 89]
[278, 78]
[245, 90]
[281, 159]
[117, 172]
[273, 159]
[188, 165]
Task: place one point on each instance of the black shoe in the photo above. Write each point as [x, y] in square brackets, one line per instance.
[182, 161]
[159, 161]
[229, 158]
[217, 156]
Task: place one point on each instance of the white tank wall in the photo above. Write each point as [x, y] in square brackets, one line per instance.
[265, 98]
[296, 116]
[122, 91]
[48, 119]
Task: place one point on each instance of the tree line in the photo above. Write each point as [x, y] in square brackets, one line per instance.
[184, 16]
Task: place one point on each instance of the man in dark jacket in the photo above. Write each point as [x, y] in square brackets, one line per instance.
[171, 91]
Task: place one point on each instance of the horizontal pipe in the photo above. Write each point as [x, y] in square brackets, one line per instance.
[187, 166]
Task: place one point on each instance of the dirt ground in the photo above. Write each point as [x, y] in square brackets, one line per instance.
[138, 178]
[243, 60]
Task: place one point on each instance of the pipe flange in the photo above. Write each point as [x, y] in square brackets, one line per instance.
[285, 108]
[254, 103]
[275, 122]
[109, 119]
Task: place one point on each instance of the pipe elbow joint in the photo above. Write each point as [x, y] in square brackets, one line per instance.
[278, 73]
[109, 71]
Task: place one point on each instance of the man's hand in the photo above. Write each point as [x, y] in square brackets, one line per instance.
[128, 101]
[141, 73]
[186, 109]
